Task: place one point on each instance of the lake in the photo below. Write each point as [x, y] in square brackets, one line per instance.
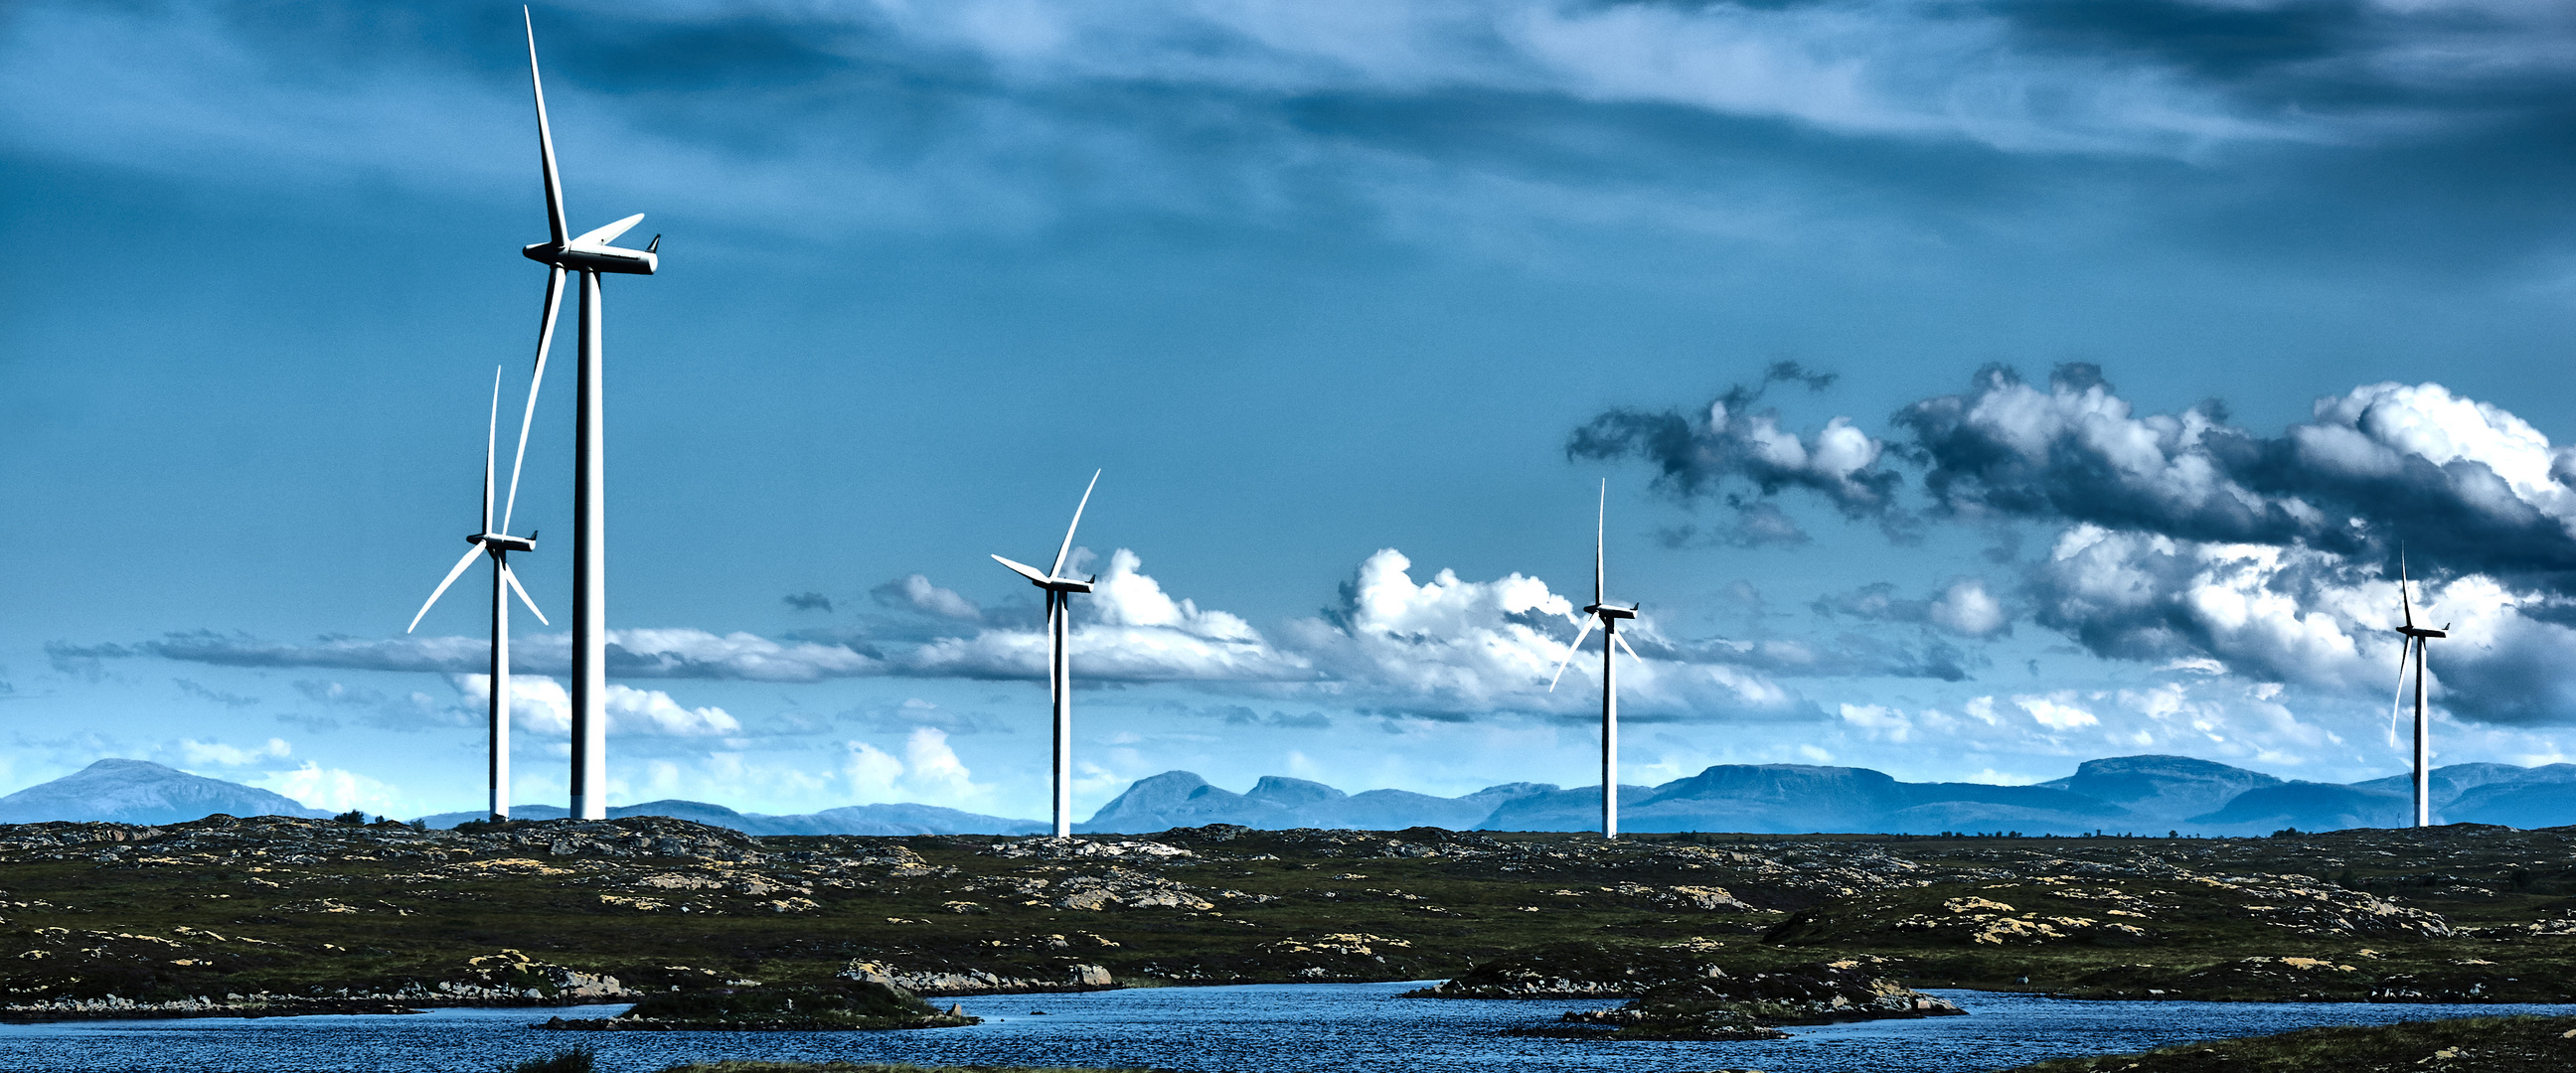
[1253, 1029]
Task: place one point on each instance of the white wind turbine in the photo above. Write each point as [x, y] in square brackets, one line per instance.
[1608, 615]
[591, 255]
[2415, 637]
[1059, 593]
[497, 546]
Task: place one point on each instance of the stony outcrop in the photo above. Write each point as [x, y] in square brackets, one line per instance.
[1071, 976]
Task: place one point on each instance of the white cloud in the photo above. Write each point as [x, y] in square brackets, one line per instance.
[2056, 712]
[929, 772]
[216, 754]
[331, 788]
[542, 705]
[1966, 609]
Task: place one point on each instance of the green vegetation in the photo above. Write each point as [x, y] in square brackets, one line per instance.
[576, 1059]
[289, 916]
[2475, 1045]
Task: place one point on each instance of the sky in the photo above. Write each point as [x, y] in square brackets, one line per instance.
[1979, 387]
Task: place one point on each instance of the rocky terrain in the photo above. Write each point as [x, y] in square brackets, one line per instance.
[2467, 1045]
[284, 915]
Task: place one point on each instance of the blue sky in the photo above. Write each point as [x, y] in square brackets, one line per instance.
[2077, 369]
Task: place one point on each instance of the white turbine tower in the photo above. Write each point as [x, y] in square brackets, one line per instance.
[1608, 615]
[591, 255]
[497, 546]
[2415, 637]
[1059, 609]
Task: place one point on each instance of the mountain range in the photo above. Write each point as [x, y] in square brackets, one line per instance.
[2145, 795]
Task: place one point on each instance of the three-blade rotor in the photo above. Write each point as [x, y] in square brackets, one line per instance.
[1600, 611]
[496, 544]
[2411, 641]
[590, 251]
[1053, 580]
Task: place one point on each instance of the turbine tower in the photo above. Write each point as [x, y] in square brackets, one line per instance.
[591, 255]
[2415, 637]
[497, 546]
[1059, 592]
[1608, 615]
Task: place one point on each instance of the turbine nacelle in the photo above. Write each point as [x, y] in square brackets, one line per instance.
[1610, 611]
[592, 253]
[502, 542]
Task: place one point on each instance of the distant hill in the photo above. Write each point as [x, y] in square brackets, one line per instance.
[140, 791]
[1183, 799]
[2161, 788]
[895, 819]
[2145, 795]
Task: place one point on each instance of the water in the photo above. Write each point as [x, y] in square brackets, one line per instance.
[1255, 1029]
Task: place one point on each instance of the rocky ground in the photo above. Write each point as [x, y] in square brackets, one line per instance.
[277, 915]
[2468, 1045]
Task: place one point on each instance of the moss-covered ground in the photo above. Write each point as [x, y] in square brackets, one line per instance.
[2470, 1045]
[290, 913]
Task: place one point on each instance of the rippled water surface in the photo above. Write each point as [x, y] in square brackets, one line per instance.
[1259, 1028]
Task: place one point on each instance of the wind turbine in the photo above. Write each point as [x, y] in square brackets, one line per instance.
[497, 546]
[1608, 615]
[2415, 637]
[1059, 593]
[591, 255]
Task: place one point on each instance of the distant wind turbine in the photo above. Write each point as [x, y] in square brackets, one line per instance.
[1608, 616]
[1059, 592]
[497, 546]
[589, 254]
[2415, 637]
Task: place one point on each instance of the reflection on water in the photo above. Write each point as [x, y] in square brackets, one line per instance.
[1253, 1029]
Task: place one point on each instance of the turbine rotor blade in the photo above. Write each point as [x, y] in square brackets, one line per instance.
[545, 137]
[1570, 650]
[491, 439]
[1055, 606]
[512, 576]
[2403, 600]
[536, 380]
[608, 234]
[1600, 525]
[452, 574]
[2399, 703]
[1024, 570]
[1623, 643]
[1067, 547]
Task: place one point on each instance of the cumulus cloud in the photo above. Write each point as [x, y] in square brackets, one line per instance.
[2194, 543]
[929, 771]
[2467, 484]
[542, 705]
[1731, 440]
[916, 593]
[331, 788]
[216, 754]
[1963, 607]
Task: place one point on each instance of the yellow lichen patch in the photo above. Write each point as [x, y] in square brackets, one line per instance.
[1970, 905]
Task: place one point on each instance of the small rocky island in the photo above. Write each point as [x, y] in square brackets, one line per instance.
[1679, 993]
[859, 1005]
